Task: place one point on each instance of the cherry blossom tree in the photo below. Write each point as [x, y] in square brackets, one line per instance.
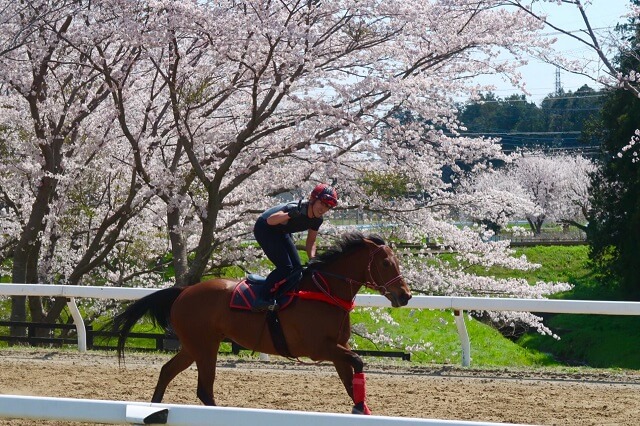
[29, 75]
[67, 185]
[494, 199]
[558, 185]
[536, 186]
[217, 107]
[577, 187]
[248, 93]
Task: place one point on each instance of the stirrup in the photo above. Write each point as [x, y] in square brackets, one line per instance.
[265, 305]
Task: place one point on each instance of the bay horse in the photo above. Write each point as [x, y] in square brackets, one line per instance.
[317, 327]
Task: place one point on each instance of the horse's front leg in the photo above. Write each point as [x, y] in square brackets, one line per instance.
[350, 369]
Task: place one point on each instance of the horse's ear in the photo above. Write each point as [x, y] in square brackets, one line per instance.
[373, 241]
[377, 240]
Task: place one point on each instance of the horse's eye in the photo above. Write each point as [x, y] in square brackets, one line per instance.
[386, 263]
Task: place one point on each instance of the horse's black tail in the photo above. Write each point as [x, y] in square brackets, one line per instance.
[157, 306]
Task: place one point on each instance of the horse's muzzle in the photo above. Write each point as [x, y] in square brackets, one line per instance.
[404, 299]
[400, 299]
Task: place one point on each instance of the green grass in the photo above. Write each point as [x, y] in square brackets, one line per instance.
[593, 340]
[437, 328]
[601, 341]
[559, 263]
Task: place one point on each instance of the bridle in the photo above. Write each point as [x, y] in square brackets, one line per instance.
[371, 283]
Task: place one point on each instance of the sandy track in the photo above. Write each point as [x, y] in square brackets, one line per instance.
[588, 397]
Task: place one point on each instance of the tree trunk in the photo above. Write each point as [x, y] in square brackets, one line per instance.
[205, 244]
[536, 224]
[178, 248]
[27, 252]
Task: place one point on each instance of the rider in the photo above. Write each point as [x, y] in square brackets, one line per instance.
[273, 231]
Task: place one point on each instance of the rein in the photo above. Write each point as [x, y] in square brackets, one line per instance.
[344, 304]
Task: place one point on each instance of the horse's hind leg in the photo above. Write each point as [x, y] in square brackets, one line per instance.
[180, 362]
[206, 362]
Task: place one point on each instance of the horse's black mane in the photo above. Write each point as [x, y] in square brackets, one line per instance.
[345, 244]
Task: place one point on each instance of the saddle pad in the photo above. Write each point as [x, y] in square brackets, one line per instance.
[245, 293]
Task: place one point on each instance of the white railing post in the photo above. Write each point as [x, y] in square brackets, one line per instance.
[79, 322]
[464, 337]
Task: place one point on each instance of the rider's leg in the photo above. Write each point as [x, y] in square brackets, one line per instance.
[292, 270]
[276, 246]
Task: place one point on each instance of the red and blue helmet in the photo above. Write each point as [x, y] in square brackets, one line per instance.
[326, 194]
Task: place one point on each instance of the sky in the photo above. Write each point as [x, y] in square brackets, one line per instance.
[540, 77]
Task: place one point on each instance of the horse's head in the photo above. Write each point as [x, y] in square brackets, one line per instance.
[370, 260]
[384, 274]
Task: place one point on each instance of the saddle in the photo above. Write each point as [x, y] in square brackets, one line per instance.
[243, 296]
[246, 292]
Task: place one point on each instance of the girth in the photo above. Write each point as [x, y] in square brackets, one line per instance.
[277, 334]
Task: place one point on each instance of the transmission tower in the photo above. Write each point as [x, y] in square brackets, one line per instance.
[559, 90]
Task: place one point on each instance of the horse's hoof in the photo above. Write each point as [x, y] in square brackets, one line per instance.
[361, 408]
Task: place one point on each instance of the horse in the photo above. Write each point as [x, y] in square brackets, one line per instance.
[316, 324]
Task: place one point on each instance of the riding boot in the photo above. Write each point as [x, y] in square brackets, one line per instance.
[264, 300]
[289, 284]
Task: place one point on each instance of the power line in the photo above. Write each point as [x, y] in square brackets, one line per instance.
[525, 100]
[576, 31]
[572, 132]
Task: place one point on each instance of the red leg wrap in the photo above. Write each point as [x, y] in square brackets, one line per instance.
[359, 388]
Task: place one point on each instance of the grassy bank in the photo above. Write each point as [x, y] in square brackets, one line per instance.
[593, 340]
[437, 331]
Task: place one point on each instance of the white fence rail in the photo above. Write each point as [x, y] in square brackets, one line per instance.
[66, 409]
[457, 304]
[121, 412]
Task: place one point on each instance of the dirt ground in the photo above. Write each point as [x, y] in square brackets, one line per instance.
[547, 397]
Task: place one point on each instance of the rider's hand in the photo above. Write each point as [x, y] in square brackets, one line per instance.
[293, 213]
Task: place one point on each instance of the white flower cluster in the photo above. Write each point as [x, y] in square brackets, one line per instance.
[631, 148]
[537, 187]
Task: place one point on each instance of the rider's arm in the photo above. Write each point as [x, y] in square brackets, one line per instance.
[282, 216]
[310, 246]
[278, 218]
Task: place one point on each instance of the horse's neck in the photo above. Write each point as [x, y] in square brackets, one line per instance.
[343, 276]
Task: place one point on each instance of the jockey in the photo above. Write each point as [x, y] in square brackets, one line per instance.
[273, 231]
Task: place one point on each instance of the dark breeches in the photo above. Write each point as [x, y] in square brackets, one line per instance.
[280, 250]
